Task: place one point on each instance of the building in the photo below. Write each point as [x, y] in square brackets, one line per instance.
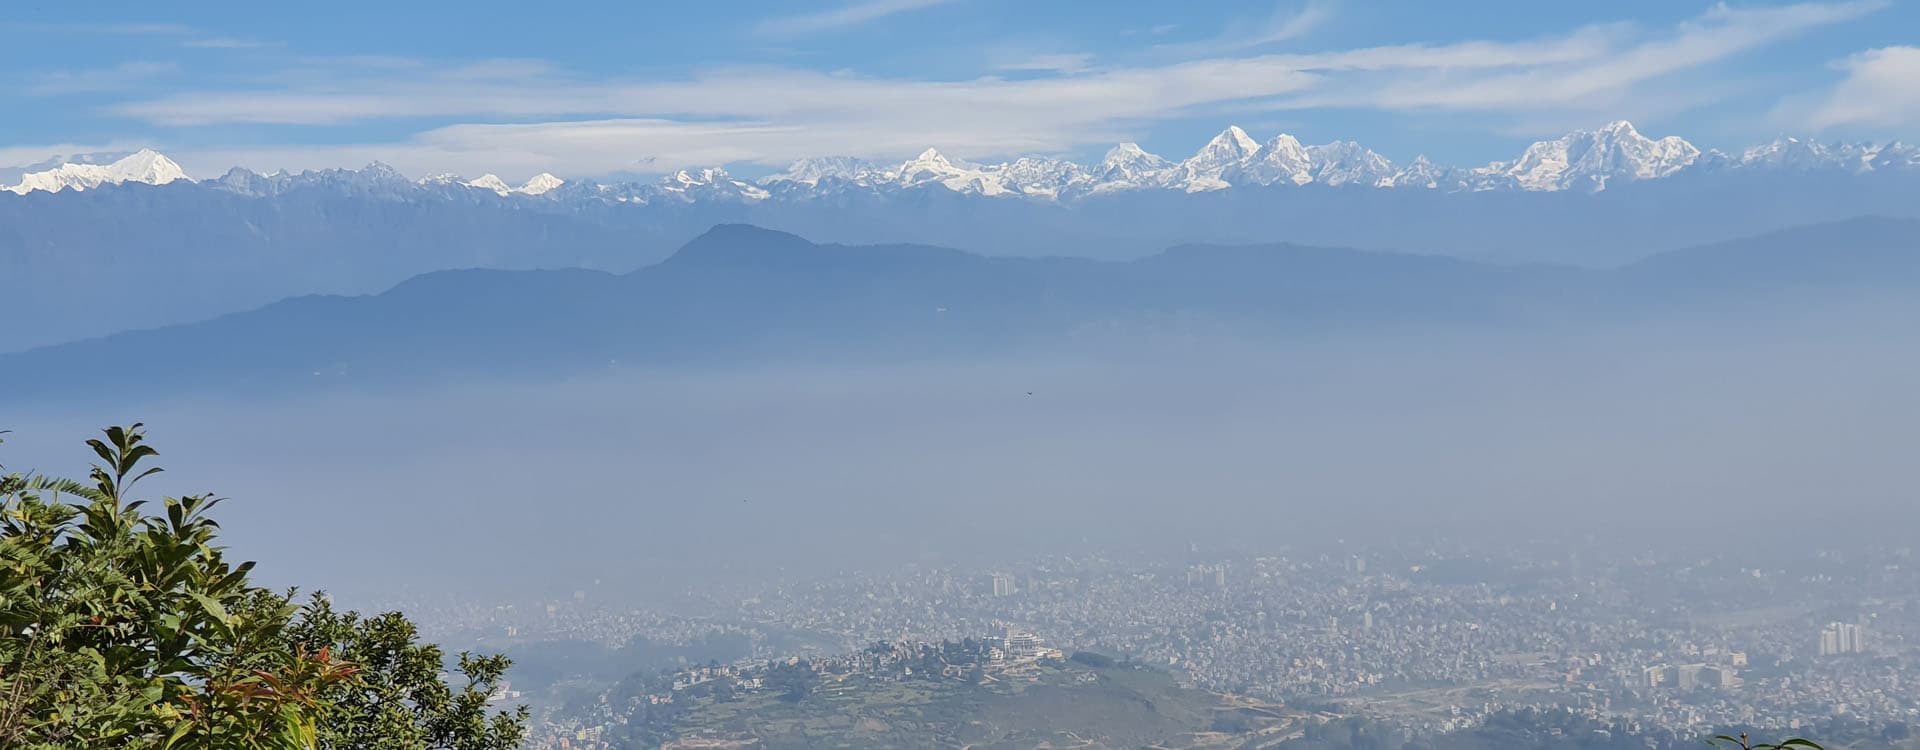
[1013, 644]
[1202, 576]
[1022, 645]
[1719, 678]
[1688, 676]
[1003, 585]
[1841, 638]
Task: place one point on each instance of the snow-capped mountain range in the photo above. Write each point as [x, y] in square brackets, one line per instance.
[1582, 161]
[84, 172]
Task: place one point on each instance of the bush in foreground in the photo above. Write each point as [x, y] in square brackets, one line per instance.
[123, 624]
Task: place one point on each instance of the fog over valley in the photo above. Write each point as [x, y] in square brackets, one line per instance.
[655, 482]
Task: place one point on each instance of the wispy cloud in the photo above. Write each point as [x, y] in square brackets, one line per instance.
[225, 42]
[1288, 21]
[1881, 89]
[573, 123]
[845, 16]
[120, 29]
[1076, 62]
[510, 88]
[201, 40]
[117, 78]
[1596, 81]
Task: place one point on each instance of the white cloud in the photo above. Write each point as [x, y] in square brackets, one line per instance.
[117, 29]
[1598, 81]
[1882, 89]
[1286, 22]
[1284, 26]
[225, 42]
[1075, 62]
[532, 89]
[844, 16]
[117, 78]
[546, 117]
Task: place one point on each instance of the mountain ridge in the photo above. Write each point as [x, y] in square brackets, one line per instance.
[146, 167]
[744, 293]
[244, 239]
[1580, 161]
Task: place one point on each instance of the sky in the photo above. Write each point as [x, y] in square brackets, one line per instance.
[585, 89]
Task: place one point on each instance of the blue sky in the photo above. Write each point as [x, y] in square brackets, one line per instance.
[593, 88]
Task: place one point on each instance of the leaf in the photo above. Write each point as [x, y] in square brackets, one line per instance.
[213, 608]
[296, 731]
[179, 732]
[101, 449]
[153, 693]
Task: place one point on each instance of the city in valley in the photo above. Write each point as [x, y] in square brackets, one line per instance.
[1430, 640]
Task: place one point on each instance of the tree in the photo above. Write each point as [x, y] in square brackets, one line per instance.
[124, 629]
[1744, 742]
[401, 700]
[794, 680]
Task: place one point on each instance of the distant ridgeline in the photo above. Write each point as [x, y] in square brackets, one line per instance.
[739, 294]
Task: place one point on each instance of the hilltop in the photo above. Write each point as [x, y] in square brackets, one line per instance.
[923, 695]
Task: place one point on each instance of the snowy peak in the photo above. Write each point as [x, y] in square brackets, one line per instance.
[1209, 168]
[1232, 144]
[1218, 160]
[697, 177]
[933, 168]
[1348, 163]
[1031, 175]
[145, 166]
[490, 182]
[928, 159]
[1798, 155]
[811, 171]
[693, 185]
[1131, 157]
[1588, 159]
[1618, 129]
[1896, 155]
[1419, 173]
[1129, 167]
[1044, 177]
[1281, 159]
[540, 184]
